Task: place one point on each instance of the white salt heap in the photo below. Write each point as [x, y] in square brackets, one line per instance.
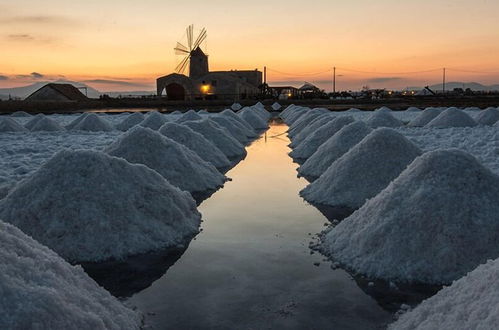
[363, 171]
[334, 148]
[234, 128]
[196, 142]
[353, 110]
[383, 109]
[261, 111]
[250, 132]
[289, 109]
[471, 302]
[33, 121]
[433, 224]
[425, 117]
[297, 113]
[383, 118]
[89, 206]
[220, 137]
[42, 291]
[276, 106]
[253, 118]
[310, 144]
[413, 109]
[48, 125]
[488, 117]
[178, 164]
[93, 123]
[452, 117]
[236, 107]
[20, 114]
[10, 125]
[189, 116]
[154, 120]
[304, 121]
[311, 128]
[130, 121]
[75, 122]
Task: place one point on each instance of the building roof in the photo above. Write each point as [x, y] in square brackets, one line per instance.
[67, 90]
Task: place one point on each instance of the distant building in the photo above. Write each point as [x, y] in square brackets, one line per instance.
[57, 93]
[203, 84]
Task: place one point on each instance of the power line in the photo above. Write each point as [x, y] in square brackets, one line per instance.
[377, 72]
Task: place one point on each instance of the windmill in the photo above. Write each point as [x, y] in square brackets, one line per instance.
[192, 46]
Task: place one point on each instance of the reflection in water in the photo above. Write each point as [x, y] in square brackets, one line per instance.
[251, 267]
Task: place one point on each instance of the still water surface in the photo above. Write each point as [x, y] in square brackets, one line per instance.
[251, 267]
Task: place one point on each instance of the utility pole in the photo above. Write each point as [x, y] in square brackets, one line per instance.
[264, 81]
[443, 84]
[334, 81]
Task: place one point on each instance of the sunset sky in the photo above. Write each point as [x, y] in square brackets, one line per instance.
[127, 44]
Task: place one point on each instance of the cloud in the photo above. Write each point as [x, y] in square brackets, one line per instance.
[37, 75]
[20, 37]
[3, 78]
[114, 82]
[37, 20]
[383, 79]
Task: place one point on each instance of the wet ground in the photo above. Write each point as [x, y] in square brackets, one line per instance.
[251, 267]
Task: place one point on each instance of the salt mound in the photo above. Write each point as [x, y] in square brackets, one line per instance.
[130, 121]
[252, 117]
[178, 164]
[260, 110]
[383, 109]
[488, 117]
[469, 303]
[436, 222]
[295, 115]
[353, 110]
[20, 114]
[425, 117]
[303, 122]
[203, 112]
[250, 132]
[189, 116]
[276, 106]
[89, 206]
[236, 107]
[154, 120]
[196, 142]
[10, 125]
[363, 171]
[334, 148]
[220, 137]
[78, 120]
[93, 123]
[286, 112]
[42, 291]
[48, 125]
[452, 117]
[413, 109]
[235, 128]
[311, 128]
[33, 121]
[310, 144]
[383, 119]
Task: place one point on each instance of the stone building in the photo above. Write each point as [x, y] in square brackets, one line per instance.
[204, 84]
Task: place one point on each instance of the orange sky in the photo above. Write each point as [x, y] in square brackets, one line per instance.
[126, 44]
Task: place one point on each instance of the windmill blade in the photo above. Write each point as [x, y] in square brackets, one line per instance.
[181, 49]
[190, 32]
[202, 36]
[182, 65]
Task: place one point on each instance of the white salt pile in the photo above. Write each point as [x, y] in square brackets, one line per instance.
[48, 125]
[471, 302]
[286, 112]
[262, 112]
[89, 206]
[425, 117]
[311, 128]
[413, 109]
[353, 110]
[178, 164]
[154, 120]
[363, 171]
[42, 291]
[250, 132]
[220, 137]
[253, 118]
[33, 121]
[130, 121]
[276, 106]
[197, 143]
[436, 222]
[234, 128]
[93, 123]
[334, 148]
[203, 112]
[10, 125]
[297, 113]
[383, 118]
[75, 122]
[488, 117]
[304, 121]
[383, 109]
[20, 114]
[189, 116]
[452, 117]
[310, 144]
[236, 107]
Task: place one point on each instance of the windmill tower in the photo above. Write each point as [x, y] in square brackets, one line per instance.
[192, 54]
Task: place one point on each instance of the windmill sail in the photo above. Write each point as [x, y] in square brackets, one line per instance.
[192, 45]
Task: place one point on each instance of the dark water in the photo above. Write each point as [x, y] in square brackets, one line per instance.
[251, 267]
